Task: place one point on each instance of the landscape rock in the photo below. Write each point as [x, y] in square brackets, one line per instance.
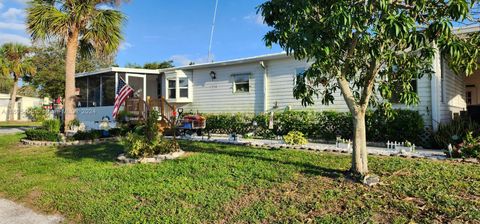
[371, 180]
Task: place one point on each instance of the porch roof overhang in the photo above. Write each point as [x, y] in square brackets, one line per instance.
[466, 29]
[118, 69]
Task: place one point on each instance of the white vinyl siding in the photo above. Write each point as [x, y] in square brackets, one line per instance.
[454, 94]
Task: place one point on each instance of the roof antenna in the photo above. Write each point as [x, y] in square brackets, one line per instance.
[211, 35]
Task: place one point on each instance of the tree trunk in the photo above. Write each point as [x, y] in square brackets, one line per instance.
[70, 63]
[359, 155]
[13, 100]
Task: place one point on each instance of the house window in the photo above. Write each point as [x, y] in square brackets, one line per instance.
[469, 98]
[399, 89]
[183, 87]
[172, 90]
[241, 83]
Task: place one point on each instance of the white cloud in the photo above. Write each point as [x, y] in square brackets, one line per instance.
[255, 18]
[13, 14]
[125, 46]
[186, 59]
[13, 38]
[1, 4]
[12, 26]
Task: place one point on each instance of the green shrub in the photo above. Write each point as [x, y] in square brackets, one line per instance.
[295, 138]
[455, 131]
[137, 146]
[52, 125]
[405, 125]
[469, 148]
[88, 135]
[36, 114]
[73, 123]
[40, 134]
[115, 132]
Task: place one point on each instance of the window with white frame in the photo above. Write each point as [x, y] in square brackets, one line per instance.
[241, 83]
[172, 89]
[183, 87]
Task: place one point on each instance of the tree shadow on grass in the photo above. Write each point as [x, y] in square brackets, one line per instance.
[106, 152]
[306, 168]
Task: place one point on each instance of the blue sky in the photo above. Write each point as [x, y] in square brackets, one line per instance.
[170, 30]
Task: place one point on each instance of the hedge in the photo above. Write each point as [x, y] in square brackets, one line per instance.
[326, 125]
[41, 135]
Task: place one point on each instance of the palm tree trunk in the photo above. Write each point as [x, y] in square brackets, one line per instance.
[13, 100]
[360, 153]
[70, 63]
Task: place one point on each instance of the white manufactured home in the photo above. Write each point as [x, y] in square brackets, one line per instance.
[256, 85]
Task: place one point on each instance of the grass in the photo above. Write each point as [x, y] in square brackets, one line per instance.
[228, 184]
[16, 124]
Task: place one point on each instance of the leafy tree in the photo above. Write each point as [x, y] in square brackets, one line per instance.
[50, 63]
[364, 48]
[132, 65]
[28, 90]
[84, 26]
[151, 65]
[15, 63]
[158, 65]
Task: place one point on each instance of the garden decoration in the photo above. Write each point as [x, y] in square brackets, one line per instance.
[401, 147]
[343, 144]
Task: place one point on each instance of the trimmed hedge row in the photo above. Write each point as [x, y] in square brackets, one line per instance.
[404, 125]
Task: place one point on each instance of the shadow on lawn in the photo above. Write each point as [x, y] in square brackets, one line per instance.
[307, 168]
[106, 152]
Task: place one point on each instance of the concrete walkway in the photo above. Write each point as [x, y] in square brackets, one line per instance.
[12, 213]
[13, 130]
[419, 153]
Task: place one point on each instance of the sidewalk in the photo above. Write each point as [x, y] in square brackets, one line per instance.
[11, 212]
[419, 153]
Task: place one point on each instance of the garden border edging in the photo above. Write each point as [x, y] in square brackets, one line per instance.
[70, 143]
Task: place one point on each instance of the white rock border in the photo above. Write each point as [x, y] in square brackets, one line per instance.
[69, 143]
[123, 158]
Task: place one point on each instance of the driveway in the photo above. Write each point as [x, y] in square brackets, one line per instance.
[12, 130]
[11, 212]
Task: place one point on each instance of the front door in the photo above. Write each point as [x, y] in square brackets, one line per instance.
[139, 84]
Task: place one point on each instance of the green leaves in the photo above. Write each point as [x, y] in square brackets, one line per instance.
[347, 39]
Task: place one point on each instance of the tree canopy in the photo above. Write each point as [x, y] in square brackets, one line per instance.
[366, 48]
[152, 65]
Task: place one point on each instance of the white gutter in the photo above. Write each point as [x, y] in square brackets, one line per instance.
[265, 86]
[435, 85]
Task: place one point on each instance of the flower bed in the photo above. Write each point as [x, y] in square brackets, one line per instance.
[123, 158]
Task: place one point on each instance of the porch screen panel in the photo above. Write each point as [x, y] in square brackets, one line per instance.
[94, 91]
[137, 84]
[82, 99]
[108, 90]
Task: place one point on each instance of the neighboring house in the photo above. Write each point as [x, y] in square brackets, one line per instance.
[256, 85]
[21, 106]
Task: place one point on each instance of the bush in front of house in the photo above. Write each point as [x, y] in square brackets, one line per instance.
[52, 125]
[404, 125]
[36, 114]
[40, 134]
[295, 138]
[455, 131]
[468, 148]
[87, 135]
[146, 141]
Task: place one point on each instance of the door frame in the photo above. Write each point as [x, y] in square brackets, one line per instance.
[144, 77]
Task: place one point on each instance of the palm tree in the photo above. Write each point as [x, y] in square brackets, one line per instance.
[16, 64]
[83, 26]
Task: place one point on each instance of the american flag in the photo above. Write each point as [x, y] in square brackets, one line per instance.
[123, 91]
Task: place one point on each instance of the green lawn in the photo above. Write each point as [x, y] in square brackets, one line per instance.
[223, 184]
[14, 124]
